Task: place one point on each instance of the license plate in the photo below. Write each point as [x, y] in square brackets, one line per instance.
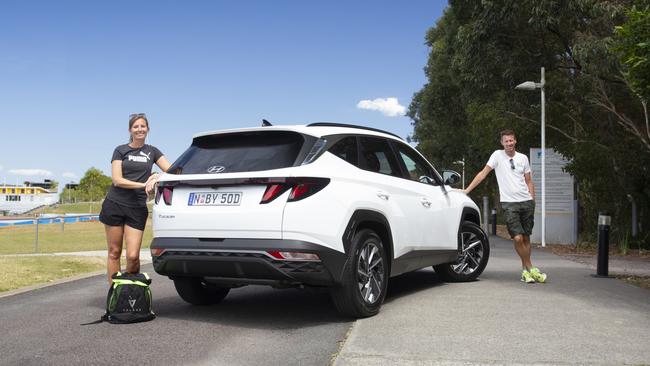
[214, 199]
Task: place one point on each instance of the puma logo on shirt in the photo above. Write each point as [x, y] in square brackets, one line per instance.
[140, 159]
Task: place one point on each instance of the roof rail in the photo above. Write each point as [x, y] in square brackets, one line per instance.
[332, 124]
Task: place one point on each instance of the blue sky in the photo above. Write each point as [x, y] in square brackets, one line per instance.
[72, 71]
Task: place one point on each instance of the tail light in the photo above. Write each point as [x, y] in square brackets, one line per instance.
[273, 191]
[166, 193]
[305, 187]
[301, 188]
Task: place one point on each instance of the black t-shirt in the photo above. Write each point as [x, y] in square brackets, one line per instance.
[136, 167]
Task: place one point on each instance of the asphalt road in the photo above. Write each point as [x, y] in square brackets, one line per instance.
[574, 319]
[255, 325]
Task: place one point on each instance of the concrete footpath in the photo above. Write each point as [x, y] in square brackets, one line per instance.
[574, 318]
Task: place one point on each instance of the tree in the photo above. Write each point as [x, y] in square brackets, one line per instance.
[94, 185]
[71, 195]
[481, 50]
[632, 43]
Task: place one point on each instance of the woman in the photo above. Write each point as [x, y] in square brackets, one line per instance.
[124, 211]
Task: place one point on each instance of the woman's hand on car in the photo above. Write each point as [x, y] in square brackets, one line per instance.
[150, 185]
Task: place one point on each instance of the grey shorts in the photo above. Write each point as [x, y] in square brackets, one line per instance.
[520, 217]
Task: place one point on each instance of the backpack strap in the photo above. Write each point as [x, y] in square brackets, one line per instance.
[104, 318]
[95, 322]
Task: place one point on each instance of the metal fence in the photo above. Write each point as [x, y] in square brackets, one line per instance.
[22, 227]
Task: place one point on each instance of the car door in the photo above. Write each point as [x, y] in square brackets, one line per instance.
[438, 222]
[404, 211]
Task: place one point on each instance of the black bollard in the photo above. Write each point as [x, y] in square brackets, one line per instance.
[604, 221]
[494, 221]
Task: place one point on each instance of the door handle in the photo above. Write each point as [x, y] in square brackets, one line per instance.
[383, 195]
[425, 202]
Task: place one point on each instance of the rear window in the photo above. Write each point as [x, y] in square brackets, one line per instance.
[242, 152]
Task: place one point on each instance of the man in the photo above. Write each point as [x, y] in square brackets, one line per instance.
[517, 195]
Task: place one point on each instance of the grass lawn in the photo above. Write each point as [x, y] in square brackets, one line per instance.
[74, 237]
[22, 271]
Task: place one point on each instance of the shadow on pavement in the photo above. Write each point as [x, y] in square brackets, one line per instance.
[258, 307]
[268, 308]
[409, 283]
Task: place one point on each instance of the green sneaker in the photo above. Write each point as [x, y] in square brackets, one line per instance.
[527, 277]
[537, 275]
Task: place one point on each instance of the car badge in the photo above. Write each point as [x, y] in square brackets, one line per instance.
[216, 169]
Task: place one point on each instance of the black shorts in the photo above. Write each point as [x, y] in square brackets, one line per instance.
[114, 214]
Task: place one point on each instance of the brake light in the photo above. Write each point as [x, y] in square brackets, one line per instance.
[273, 191]
[166, 193]
[305, 187]
[300, 188]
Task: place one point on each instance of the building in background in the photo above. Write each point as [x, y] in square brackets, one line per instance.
[16, 200]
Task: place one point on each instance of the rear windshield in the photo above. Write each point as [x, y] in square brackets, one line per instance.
[241, 152]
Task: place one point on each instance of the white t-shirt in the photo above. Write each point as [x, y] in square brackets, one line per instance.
[512, 184]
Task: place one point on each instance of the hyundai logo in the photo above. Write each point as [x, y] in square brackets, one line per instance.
[216, 169]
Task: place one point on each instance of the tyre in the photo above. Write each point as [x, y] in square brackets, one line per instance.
[197, 292]
[365, 277]
[474, 255]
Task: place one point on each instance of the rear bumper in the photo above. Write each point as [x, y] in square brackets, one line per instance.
[246, 261]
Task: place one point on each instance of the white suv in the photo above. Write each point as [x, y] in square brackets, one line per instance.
[324, 204]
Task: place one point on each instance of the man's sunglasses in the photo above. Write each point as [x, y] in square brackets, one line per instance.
[512, 164]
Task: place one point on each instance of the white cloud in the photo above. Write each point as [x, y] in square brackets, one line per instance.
[387, 106]
[70, 175]
[30, 172]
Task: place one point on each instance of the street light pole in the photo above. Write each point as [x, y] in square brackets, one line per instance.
[543, 81]
[531, 85]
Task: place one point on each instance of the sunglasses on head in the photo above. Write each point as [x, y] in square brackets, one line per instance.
[512, 164]
[134, 115]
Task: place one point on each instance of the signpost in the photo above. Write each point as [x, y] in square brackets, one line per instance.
[560, 211]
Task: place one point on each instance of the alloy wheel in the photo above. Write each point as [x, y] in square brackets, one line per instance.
[370, 270]
[472, 253]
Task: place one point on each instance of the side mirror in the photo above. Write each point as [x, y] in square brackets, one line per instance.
[450, 177]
